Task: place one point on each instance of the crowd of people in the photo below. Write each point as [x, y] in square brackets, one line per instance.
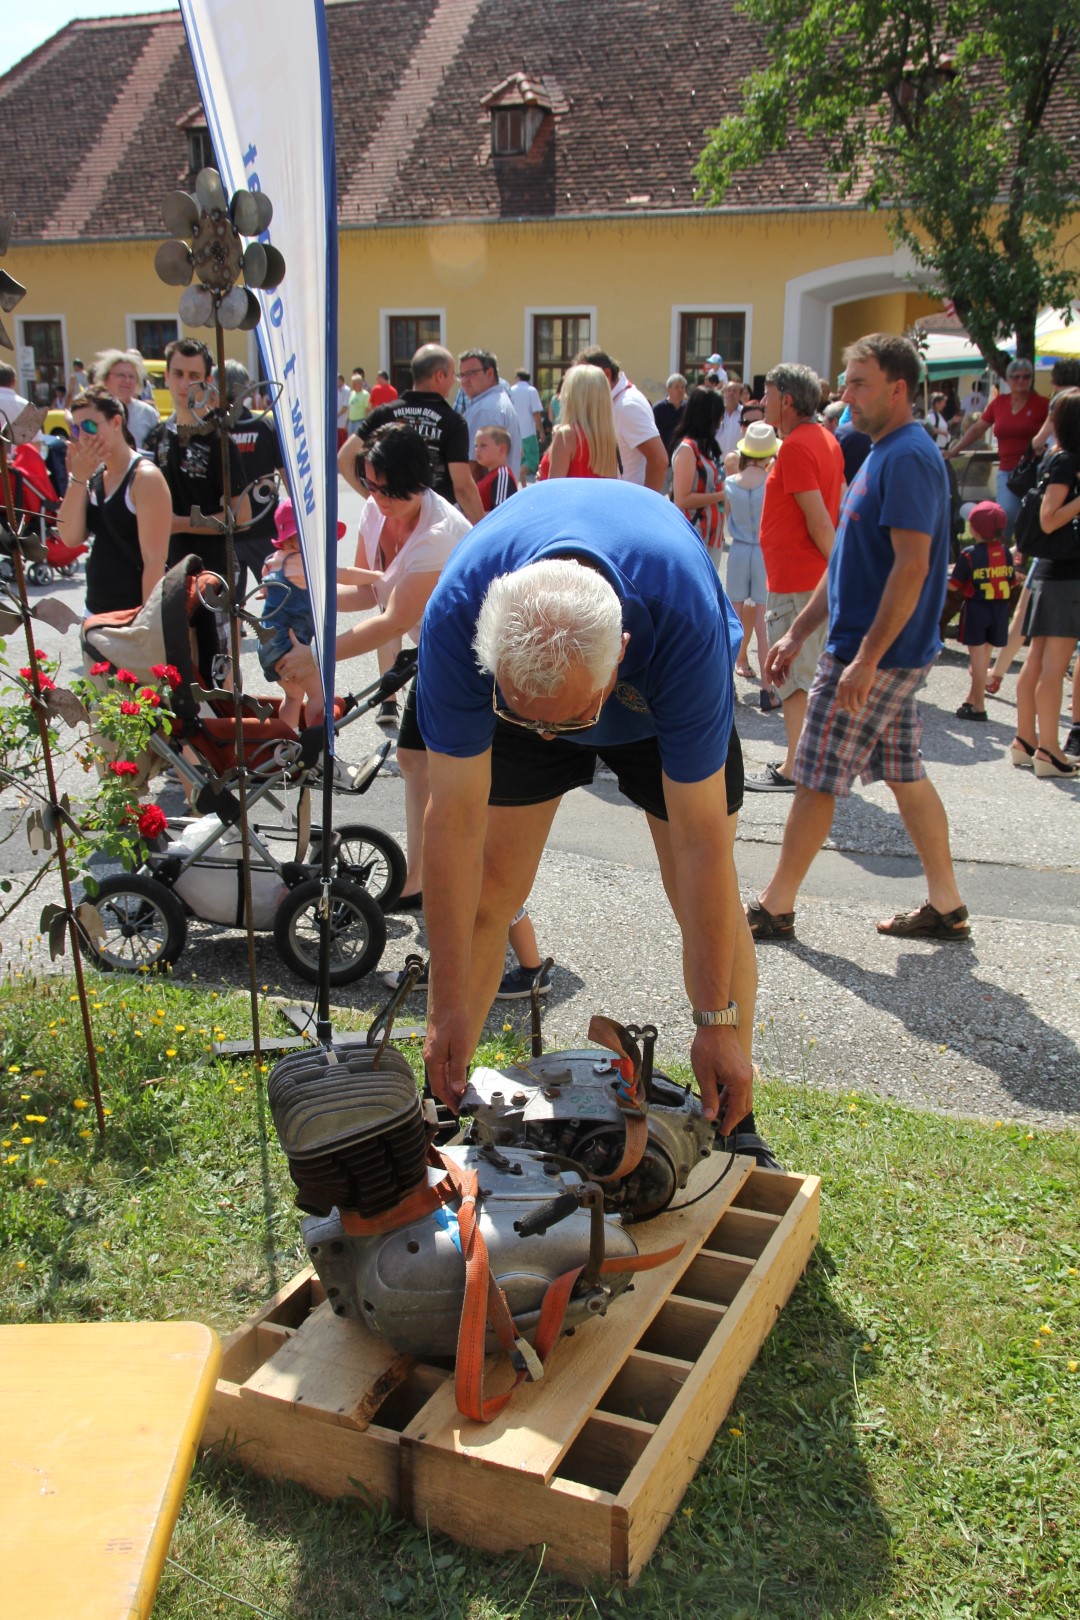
[583, 622]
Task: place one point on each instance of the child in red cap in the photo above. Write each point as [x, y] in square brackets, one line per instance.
[984, 574]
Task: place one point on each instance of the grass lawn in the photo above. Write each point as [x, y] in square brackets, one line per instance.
[906, 1444]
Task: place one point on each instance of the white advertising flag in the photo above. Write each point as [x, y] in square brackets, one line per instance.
[264, 76]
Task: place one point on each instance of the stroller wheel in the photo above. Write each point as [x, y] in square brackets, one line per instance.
[145, 925]
[357, 931]
[39, 573]
[373, 859]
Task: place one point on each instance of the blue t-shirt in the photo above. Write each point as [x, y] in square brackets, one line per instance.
[902, 484]
[675, 681]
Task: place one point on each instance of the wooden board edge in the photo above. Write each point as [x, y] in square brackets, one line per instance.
[659, 1479]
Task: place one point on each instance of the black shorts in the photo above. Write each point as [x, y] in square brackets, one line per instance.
[409, 730]
[527, 769]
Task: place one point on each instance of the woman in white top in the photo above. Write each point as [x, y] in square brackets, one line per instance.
[744, 497]
[407, 533]
[937, 422]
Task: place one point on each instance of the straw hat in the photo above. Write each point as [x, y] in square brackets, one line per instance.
[758, 442]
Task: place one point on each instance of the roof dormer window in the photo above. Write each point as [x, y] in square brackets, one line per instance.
[200, 146]
[518, 108]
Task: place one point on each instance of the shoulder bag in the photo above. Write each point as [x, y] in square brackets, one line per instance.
[1030, 538]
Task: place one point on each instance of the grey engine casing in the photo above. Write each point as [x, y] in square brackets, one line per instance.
[566, 1103]
[408, 1286]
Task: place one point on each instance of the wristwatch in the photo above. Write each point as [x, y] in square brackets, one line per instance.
[730, 1015]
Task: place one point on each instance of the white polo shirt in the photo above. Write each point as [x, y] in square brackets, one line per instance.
[634, 424]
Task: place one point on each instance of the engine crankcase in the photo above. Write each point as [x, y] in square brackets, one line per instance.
[566, 1103]
[408, 1286]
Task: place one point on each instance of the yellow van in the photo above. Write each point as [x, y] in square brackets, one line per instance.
[162, 398]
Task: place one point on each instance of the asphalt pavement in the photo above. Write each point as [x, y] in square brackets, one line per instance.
[988, 1028]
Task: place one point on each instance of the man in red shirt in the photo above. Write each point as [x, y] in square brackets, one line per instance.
[384, 392]
[798, 526]
[1016, 417]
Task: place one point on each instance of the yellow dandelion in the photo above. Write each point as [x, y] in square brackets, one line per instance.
[97, 1006]
[1047, 1329]
[213, 995]
[106, 1112]
[13, 1068]
[36, 1119]
[12, 1158]
[1071, 1271]
[178, 1029]
[52, 1161]
[238, 1089]
[997, 1125]
[1038, 1344]
[37, 1074]
[20, 1265]
[26, 1140]
[170, 1051]
[39, 1181]
[736, 1432]
[1074, 1365]
[853, 1108]
[208, 1048]
[1030, 1136]
[85, 1134]
[137, 1032]
[73, 998]
[80, 1102]
[6, 1144]
[24, 1096]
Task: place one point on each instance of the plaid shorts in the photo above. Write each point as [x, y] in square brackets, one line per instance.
[879, 744]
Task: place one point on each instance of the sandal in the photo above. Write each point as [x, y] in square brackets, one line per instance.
[745, 671]
[769, 925]
[928, 923]
[768, 701]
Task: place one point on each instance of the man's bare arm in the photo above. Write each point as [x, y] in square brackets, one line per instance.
[465, 491]
[818, 522]
[656, 462]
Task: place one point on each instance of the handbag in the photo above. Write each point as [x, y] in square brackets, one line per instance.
[1032, 540]
[1025, 475]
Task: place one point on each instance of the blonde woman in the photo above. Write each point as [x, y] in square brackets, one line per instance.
[583, 445]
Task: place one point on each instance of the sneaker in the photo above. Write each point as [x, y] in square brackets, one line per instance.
[517, 984]
[387, 716]
[1072, 742]
[392, 980]
[772, 780]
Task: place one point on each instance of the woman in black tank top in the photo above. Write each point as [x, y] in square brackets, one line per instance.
[120, 499]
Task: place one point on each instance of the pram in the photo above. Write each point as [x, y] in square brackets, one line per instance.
[193, 869]
[36, 503]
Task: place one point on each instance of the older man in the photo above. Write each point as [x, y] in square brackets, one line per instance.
[730, 430]
[489, 402]
[798, 523]
[666, 412]
[880, 602]
[582, 621]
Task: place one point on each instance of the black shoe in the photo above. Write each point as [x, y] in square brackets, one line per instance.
[408, 902]
[517, 984]
[755, 1147]
[1072, 742]
[967, 712]
[387, 716]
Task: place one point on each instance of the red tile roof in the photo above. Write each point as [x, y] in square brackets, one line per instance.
[91, 136]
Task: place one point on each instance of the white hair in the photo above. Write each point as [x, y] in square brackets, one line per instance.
[108, 358]
[537, 624]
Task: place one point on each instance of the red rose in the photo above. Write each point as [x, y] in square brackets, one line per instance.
[152, 820]
[128, 707]
[26, 672]
[124, 767]
[102, 668]
[149, 696]
[39, 654]
[171, 674]
[47, 683]
[126, 676]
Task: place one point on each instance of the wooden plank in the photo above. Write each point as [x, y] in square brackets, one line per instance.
[655, 1487]
[537, 1428]
[743, 1231]
[604, 1453]
[336, 1369]
[645, 1386]
[774, 1193]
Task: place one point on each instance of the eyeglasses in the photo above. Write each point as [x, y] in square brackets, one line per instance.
[542, 728]
[88, 427]
[477, 371]
[375, 489]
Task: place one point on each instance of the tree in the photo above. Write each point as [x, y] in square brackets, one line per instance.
[960, 118]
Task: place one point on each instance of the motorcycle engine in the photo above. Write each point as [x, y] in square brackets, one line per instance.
[570, 1105]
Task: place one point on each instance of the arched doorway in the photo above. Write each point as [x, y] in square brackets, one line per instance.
[810, 301]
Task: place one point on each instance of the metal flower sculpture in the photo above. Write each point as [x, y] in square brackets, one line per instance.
[206, 248]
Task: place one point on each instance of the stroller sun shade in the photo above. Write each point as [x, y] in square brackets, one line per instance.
[174, 626]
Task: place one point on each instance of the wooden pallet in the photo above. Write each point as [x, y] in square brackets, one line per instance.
[593, 1460]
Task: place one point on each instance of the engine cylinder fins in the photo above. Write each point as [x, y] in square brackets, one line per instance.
[354, 1135]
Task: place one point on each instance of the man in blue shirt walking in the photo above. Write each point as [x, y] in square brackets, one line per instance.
[883, 594]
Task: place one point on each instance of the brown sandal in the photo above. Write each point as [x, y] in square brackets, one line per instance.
[769, 925]
[928, 923]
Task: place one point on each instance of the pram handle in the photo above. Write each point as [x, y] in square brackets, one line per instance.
[401, 670]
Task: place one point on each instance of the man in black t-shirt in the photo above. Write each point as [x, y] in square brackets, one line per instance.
[426, 408]
[259, 448]
[193, 469]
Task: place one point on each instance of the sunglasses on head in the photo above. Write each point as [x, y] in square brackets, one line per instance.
[89, 427]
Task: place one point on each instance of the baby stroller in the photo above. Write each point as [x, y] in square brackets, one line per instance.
[36, 502]
[193, 869]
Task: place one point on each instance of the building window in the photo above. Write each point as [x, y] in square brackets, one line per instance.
[46, 340]
[407, 334]
[702, 335]
[200, 150]
[150, 334]
[508, 132]
[556, 340]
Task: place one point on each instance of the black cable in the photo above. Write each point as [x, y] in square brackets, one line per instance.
[673, 1209]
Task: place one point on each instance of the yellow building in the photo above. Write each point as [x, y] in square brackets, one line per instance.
[518, 178]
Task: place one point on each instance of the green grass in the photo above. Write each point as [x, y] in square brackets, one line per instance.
[905, 1445]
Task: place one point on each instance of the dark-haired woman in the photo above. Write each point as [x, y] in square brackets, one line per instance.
[118, 498]
[1053, 615]
[696, 476]
[407, 533]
